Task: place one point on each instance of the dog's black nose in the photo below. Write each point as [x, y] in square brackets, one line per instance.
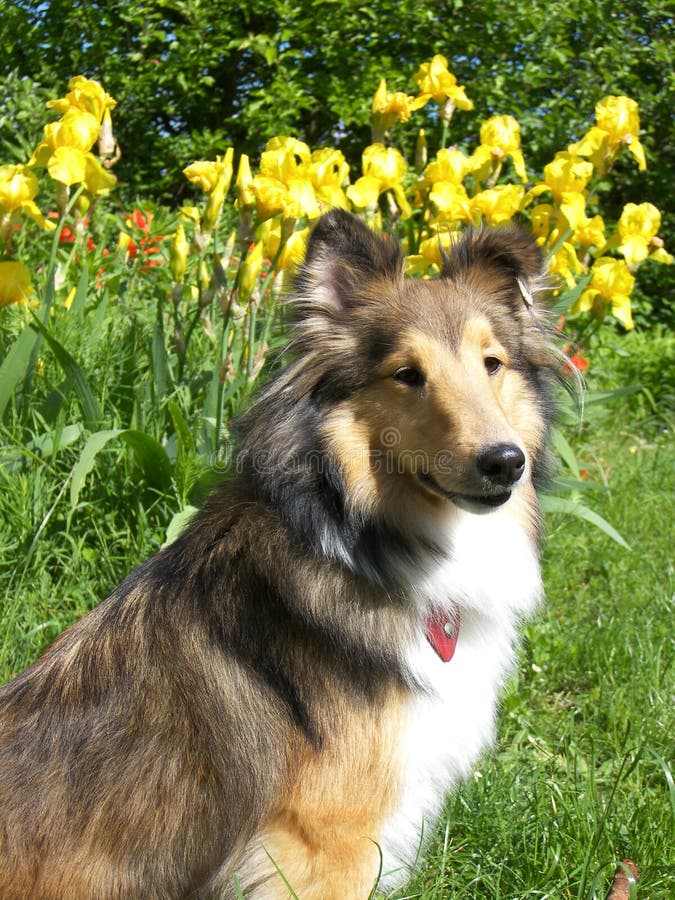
[501, 463]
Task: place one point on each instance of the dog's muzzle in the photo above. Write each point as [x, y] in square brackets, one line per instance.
[498, 468]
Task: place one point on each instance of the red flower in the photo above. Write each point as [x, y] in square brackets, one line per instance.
[140, 220]
[67, 236]
[143, 243]
[577, 361]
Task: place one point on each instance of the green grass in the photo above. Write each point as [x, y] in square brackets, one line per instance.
[582, 772]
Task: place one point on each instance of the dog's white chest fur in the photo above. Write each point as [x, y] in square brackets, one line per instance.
[492, 577]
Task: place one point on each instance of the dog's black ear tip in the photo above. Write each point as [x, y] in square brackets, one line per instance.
[337, 217]
[506, 247]
[333, 222]
[511, 238]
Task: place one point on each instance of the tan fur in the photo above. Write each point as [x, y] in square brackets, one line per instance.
[323, 836]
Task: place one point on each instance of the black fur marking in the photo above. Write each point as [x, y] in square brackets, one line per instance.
[379, 346]
[385, 556]
[263, 631]
[505, 249]
[333, 388]
[344, 237]
[340, 383]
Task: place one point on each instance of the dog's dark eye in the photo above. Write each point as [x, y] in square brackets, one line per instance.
[410, 376]
[492, 364]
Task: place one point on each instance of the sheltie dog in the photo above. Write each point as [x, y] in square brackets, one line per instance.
[280, 700]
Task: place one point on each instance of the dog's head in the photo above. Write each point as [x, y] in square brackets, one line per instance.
[407, 400]
[437, 387]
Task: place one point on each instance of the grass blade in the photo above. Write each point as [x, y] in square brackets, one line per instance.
[668, 776]
[185, 440]
[88, 403]
[15, 365]
[179, 523]
[148, 452]
[79, 303]
[551, 504]
[564, 450]
[85, 463]
[286, 882]
[151, 457]
[160, 362]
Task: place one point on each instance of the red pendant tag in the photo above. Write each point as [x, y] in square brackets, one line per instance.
[442, 631]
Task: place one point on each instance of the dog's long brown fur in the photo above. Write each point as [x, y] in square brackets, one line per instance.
[241, 696]
[147, 745]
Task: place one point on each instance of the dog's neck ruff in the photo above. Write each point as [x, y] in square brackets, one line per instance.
[442, 632]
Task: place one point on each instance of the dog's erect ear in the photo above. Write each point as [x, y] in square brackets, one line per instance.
[506, 251]
[342, 255]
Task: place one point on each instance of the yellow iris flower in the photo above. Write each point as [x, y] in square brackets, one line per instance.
[542, 222]
[283, 158]
[383, 170]
[86, 95]
[588, 232]
[213, 177]
[178, 255]
[210, 174]
[384, 163]
[294, 182]
[637, 235]
[364, 193]
[328, 172]
[245, 192]
[451, 202]
[273, 198]
[387, 109]
[293, 251]
[250, 270]
[65, 152]
[18, 187]
[449, 165]
[437, 83]
[566, 174]
[271, 234]
[565, 263]
[430, 256]
[15, 283]
[499, 139]
[293, 200]
[498, 204]
[617, 125]
[611, 285]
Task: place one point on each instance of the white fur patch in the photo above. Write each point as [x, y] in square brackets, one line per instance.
[492, 576]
